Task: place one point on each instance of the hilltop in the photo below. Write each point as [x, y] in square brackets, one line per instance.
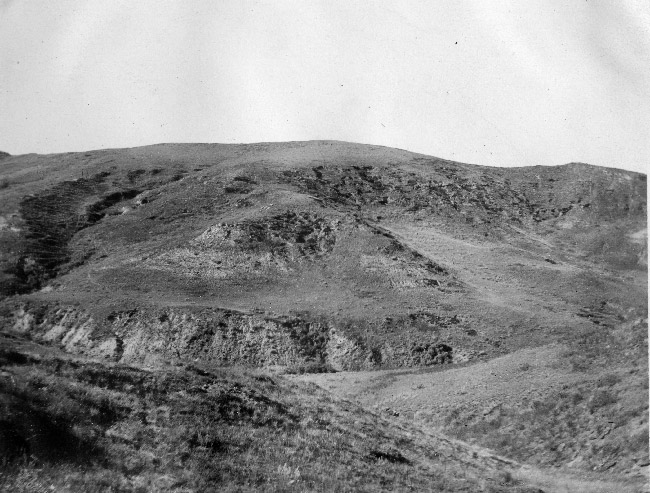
[320, 257]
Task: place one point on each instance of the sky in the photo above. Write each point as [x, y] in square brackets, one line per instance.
[500, 83]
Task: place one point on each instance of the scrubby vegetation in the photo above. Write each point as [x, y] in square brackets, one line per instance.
[598, 423]
[589, 426]
[73, 425]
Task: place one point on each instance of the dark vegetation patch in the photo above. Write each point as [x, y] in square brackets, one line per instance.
[52, 217]
[367, 337]
[483, 197]
[427, 321]
[96, 211]
[600, 314]
[427, 354]
[540, 214]
[133, 175]
[393, 456]
[311, 339]
[9, 357]
[451, 193]
[240, 185]
[309, 233]
[31, 431]
[311, 335]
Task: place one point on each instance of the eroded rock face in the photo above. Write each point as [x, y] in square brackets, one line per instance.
[219, 337]
[305, 233]
[64, 326]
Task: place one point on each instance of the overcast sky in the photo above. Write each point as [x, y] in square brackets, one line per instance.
[503, 83]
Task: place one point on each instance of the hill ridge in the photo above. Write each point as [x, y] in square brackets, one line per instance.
[314, 142]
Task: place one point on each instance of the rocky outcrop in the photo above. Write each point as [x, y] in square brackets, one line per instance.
[219, 337]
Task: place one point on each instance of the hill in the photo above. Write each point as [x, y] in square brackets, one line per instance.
[308, 257]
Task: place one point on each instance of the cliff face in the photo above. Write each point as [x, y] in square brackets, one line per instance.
[214, 337]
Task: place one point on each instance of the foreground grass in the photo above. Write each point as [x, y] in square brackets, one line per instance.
[71, 425]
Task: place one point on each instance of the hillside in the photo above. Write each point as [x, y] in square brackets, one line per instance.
[309, 257]
[102, 427]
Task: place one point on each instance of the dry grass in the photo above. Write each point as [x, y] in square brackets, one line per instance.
[82, 426]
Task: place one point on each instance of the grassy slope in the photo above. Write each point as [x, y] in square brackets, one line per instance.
[86, 426]
[538, 406]
[526, 256]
